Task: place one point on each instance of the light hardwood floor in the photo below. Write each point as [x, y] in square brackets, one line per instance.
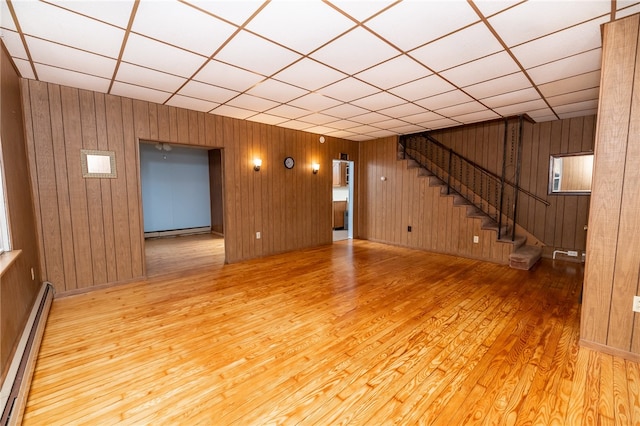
[354, 332]
[183, 253]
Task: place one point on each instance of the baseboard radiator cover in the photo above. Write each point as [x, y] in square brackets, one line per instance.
[15, 388]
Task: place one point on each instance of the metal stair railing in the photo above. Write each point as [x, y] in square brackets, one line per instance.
[490, 193]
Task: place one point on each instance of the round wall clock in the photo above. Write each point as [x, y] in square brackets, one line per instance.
[289, 162]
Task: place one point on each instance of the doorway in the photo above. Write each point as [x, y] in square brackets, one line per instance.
[181, 188]
[342, 200]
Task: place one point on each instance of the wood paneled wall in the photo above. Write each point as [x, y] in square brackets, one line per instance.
[90, 230]
[17, 289]
[613, 246]
[561, 224]
[405, 199]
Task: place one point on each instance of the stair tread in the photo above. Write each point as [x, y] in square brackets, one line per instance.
[526, 252]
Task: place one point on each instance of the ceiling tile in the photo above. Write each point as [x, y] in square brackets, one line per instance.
[378, 101]
[361, 10]
[295, 125]
[507, 83]
[382, 133]
[309, 74]
[559, 45]
[302, 26]
[317, 119]
[476, 117]
[252, 103]
[490, 7]
[573, 97]
[314, 102]
[347, 52]
[341, 134]
[101, 10]
[153, 54]
[568, 67]
[231, 111]
[544, 114]
[463, 46]
[461, 109]
[441, 123]
[444, 100]
[288, 111]
[13, 43]
[571, 84]
[348, 90]
[397, 71]
[266, 58]
[369, 118]
[361, 138]
[267, 119]
[276, 91]
[72, 78]
[207, 92]
[410, 24]
[181, 25]
[344, 124]
[227, 76]
[402, 110]
[407, 129]
[423, 88]
[52, 23]
[191, 103]
[629, 9]
[24, 68]
[345, 111]
[390, 123]
[577, 106]
[522, 108]
[137, 92]
[363, 129]
[56, 55]
[6, 20]
[236, 12]
[510, 98]
[533, 19]
[423, 117]
[483, 69]
[319, 130]
[146, 77]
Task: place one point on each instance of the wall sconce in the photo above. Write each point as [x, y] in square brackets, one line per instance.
[315, 167]
[257, 163]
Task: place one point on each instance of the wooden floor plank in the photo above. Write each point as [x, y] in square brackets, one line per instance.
[355, 332]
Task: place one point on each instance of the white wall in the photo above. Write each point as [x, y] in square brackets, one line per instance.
[175, 188]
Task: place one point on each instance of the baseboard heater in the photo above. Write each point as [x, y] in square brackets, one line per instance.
[15, 388]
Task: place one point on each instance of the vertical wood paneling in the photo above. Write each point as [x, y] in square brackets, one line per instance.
[17, 289]
[93, 188]
[613, 258]
[107, 199]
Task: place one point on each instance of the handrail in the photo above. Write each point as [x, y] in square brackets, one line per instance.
[494, 195]
[479, 167]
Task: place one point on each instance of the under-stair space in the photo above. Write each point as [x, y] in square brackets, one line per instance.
[493, 231]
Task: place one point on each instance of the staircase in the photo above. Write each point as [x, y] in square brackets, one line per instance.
[450, 173]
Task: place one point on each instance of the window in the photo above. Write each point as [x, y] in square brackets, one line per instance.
[570, 174]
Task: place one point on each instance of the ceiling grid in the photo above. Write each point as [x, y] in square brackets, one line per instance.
[357, 70]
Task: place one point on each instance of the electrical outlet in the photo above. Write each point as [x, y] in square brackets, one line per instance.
[636, 303]
[409, 228]
[476, 239]
[572, 253]
[258, 235]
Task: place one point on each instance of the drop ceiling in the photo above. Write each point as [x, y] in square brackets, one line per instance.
[353, 69]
